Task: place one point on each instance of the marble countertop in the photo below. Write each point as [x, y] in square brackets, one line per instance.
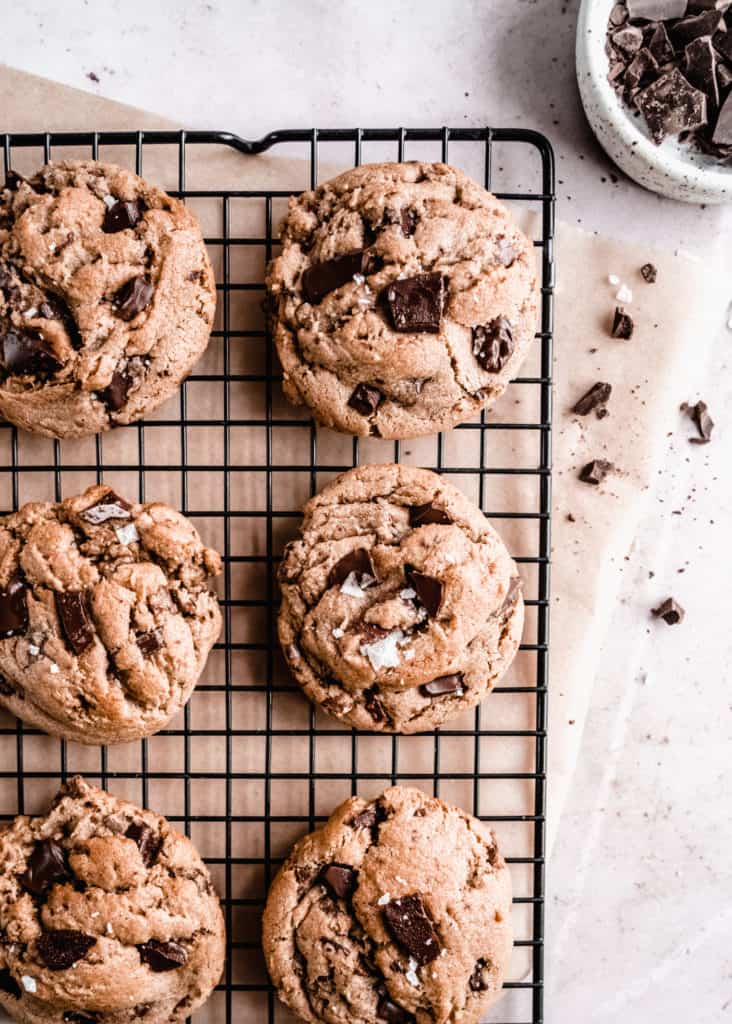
[640, 908]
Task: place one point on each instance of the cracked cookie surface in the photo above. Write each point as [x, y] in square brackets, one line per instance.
[401, 607]
[396, 910]
[107, 298]
[403, 301]
[106, 619]
[107, 915]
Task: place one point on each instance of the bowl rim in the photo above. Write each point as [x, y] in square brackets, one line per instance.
[673, 162]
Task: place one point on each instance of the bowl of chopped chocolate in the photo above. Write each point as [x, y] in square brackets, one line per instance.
[655, 77]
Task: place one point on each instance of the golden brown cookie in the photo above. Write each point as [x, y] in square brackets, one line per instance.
[394, 911]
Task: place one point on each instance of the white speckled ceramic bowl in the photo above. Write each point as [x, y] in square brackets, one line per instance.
[672, 169]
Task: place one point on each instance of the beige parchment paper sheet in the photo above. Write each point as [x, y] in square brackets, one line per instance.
[587, 551]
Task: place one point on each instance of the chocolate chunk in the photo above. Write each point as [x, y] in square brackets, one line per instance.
[660, 46]
[616, 71]
[123, 215]
[416, 303]
[493, 344]
[80, 1018]
[373, 705]
[13, 179]
[411, 926]
[442, 685]
[358, 561]
[26, 352]
[322, 278]
[340, 879]
[618, 15]
[429, 589]
[6, 690]
[649, 273]
[723, 43]
[365, 399]
[370, 817]
[671, 105]
[596, 471]
[111, 506]
[115, 394]
[162, 956]
[700, 66]
[703, 421]
[61, 949]
[623, 325]
[391, 1013]
[133, 297]
[597, 397]
[705, 24]
[46, 865]
[72, 612]
[655, 10]
[514, 589]
[13, 609]
[147, 842]
[628, 39]
[641, 71]
[149, 642]
[424, 515]
[480, 979]
[724, 79]
[408, 221]
[9, 984]
[723, 130]
[670, 611]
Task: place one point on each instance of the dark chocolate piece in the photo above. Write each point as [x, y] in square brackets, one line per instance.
[623, 325]
[369, 816]
[428, 589]
[723, 129]
[46, 865]
[660, 45]
[628, 39]
[133, 297]
[358, 561]
[8, 984]
[147, 842]
[671, 105]
[410, 924]
[597, 397]
[111, 506]
[13, 179]
[26, 352]
[703, 421]
[13, 609]
[596, 471]
[408, 221]
[373, 705]
[493, 344]
[340, 879]
[115, 394]
[123, 215]
[442, 685]
[480, 979]
[618, 15]
[641, 71]
[700, 66]
[74, 618]
[321, 278]
[424, 515]
[649, 273]
[391, 1013]
[670, 611]
[61, 949]
[416, 303]
[162, 956]
[684, 31]
[365, 399]
[655, 10]
[149, 642]
[723, 43]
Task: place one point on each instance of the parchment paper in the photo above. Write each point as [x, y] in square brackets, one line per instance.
[588, 550]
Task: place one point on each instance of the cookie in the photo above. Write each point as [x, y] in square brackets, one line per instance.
[403, 301]
[107, 914]
[396, 910]
[106, 620]
[107, 298]
[401, 607]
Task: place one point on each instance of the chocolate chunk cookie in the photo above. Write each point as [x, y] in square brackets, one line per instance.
[401, 607]
[107, 298]
[107, 914]
[396, 910]
[404, 299]
[106, 620]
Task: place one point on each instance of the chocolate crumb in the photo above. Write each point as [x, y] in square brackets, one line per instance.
[649, 273]
[594, 400]
[596, 471]
[670, 611]
[623, 325]
[702, 420]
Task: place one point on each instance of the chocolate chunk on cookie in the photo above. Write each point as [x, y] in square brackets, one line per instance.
[400, 604]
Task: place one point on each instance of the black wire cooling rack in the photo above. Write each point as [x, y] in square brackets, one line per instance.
[218, 770]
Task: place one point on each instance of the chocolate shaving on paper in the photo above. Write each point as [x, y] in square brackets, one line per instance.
[594, 400]
[702, 420]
